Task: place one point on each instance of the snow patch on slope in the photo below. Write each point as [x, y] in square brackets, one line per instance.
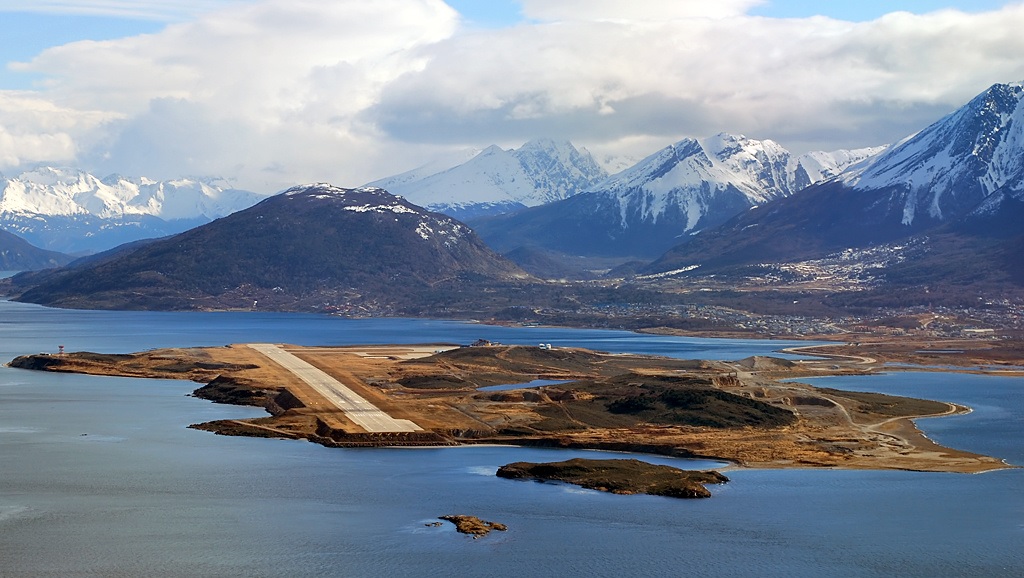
[371, 199]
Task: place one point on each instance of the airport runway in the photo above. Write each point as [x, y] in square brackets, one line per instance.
[360, 411]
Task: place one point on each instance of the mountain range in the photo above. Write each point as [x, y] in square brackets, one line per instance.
[73, 211]
[934, 216]
[686, 187]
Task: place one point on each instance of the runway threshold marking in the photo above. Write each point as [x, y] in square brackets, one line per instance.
[363, 413]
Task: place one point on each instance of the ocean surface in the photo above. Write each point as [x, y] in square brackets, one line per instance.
[100, 477]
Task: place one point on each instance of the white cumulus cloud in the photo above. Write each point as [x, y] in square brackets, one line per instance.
[813, 81]
[33, 128]
[266, 92]
[270, 93]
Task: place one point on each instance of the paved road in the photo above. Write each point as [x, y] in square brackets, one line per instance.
[362, 412]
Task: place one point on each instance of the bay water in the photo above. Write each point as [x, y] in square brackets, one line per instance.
[100, 476]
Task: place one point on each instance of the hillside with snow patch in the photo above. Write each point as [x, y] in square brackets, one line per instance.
[953, 166]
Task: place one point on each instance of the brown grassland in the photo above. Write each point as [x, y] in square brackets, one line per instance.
[736, 411]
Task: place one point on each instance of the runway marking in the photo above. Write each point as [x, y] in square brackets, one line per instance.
[360, 411]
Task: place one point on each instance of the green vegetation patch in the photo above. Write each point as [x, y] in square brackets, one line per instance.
[632, 399]
[434, 382]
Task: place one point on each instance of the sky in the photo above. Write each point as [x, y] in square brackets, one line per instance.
[267, 94]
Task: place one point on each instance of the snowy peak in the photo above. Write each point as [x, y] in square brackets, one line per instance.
[73, 211]
[437, 165]
[762, 169]
[189, 199]
[717, 162]
[688, 175]
[541, 171]
[699, 182]
[761, 166]
[952, 166]
[51, 191]
[817, 166]
[558, 168]
[691, 185]
[711, 179]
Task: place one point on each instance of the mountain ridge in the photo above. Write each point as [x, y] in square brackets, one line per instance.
[496, 180]
[953, 165]
[75, 211]
[688, 186]
[314, 246]
[17, 254]
[953, 191]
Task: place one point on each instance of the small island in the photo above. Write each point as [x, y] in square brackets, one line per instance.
[473, 526]
[626, 476]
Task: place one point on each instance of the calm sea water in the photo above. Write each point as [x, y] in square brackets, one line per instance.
[100, 477]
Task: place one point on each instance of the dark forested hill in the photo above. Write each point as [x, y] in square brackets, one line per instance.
[311, 247]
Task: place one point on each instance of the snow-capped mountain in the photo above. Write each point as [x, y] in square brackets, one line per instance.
[696, 178]
[497, 180]
[955, 165]
[954, 191]
[690, 185]
[436, 165]
[816, 167]
[74, 211]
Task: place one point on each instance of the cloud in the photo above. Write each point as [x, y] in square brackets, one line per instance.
[634, 10]
[264, 57]
[816, 81]
[160, 10]
[33, 129]
[274, 92]
[278, 82]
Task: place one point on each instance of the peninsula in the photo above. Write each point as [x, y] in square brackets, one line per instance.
[444, 394]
